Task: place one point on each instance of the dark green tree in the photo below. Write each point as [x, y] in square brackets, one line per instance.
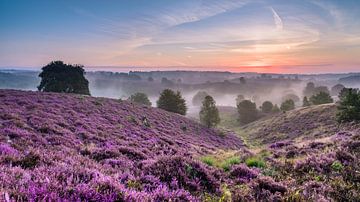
[242, 80]
[172, 102]
[199, 98]
[267, 107]
[287, 105]
[349, 106]
[247, 111]
[63, 78]
[321, 98]
[140, 98]
[306, 102]
[209, 113]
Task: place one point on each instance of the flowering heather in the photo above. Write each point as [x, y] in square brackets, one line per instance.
[62, 147]
[79, 148]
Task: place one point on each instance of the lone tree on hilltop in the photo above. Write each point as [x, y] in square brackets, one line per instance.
[287, 105]
[209, 114]
[63, 78]
[140, 98]
[172, 102]
[321, 98]
[349, 105]
[247, 111]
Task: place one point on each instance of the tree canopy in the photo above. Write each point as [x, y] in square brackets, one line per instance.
[267, 107]
[172, 102]
[247, 111]
[63, 78]
[287, 105]
[209, 113]
[140, 98]
[199, 98]
[349, 105]
[321, 98]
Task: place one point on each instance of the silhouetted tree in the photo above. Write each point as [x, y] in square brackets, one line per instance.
[242, 80]
[167, 82]
[199, 98]
[306, 102]
[335, 90]
[209, 114]
[321, 98]
[63, 78]
[267, 107]
[247, 111]
[172, 102]
[287, 105]
[349, 106]
[140, 98]
[309, 89]
[150, 79]
[239, 98]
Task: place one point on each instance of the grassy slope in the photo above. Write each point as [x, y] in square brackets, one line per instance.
[301, 124]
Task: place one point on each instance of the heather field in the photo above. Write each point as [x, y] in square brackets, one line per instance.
[65, 147]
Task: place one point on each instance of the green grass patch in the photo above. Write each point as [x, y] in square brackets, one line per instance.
[226, 165]
[208, 160]
[255, 162]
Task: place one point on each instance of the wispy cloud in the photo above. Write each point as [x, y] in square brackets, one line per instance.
[277, 19]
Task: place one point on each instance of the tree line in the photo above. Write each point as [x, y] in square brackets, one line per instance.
[68, 78]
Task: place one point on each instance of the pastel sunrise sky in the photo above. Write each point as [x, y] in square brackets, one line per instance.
[281, 36]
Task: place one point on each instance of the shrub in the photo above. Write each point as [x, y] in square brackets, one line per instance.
[140, 98]
[287, 105]
[247, 111]
[243, 172]
[63, 78]
[255, 162]
[226, 165]
[267, 107]
[172, 102]
[239, 98]
[209, 114]
[349, 105]
[337, 166]
[275, 109]
[208, 160]
[188, 174]
[321, 98]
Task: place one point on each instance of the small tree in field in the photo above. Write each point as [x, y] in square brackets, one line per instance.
[140, 98]
[247, 111]
[63, 78]
[287, 105]
[209, 114]
[321, 98]
[306, 102]
[172, 102]
[267, 107]
[349, 105]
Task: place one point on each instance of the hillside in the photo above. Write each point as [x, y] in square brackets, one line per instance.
[70, 146]
[301, 124]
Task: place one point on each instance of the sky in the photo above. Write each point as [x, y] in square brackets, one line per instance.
[278, 36]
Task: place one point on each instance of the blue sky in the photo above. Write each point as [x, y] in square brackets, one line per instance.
[236, 35]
